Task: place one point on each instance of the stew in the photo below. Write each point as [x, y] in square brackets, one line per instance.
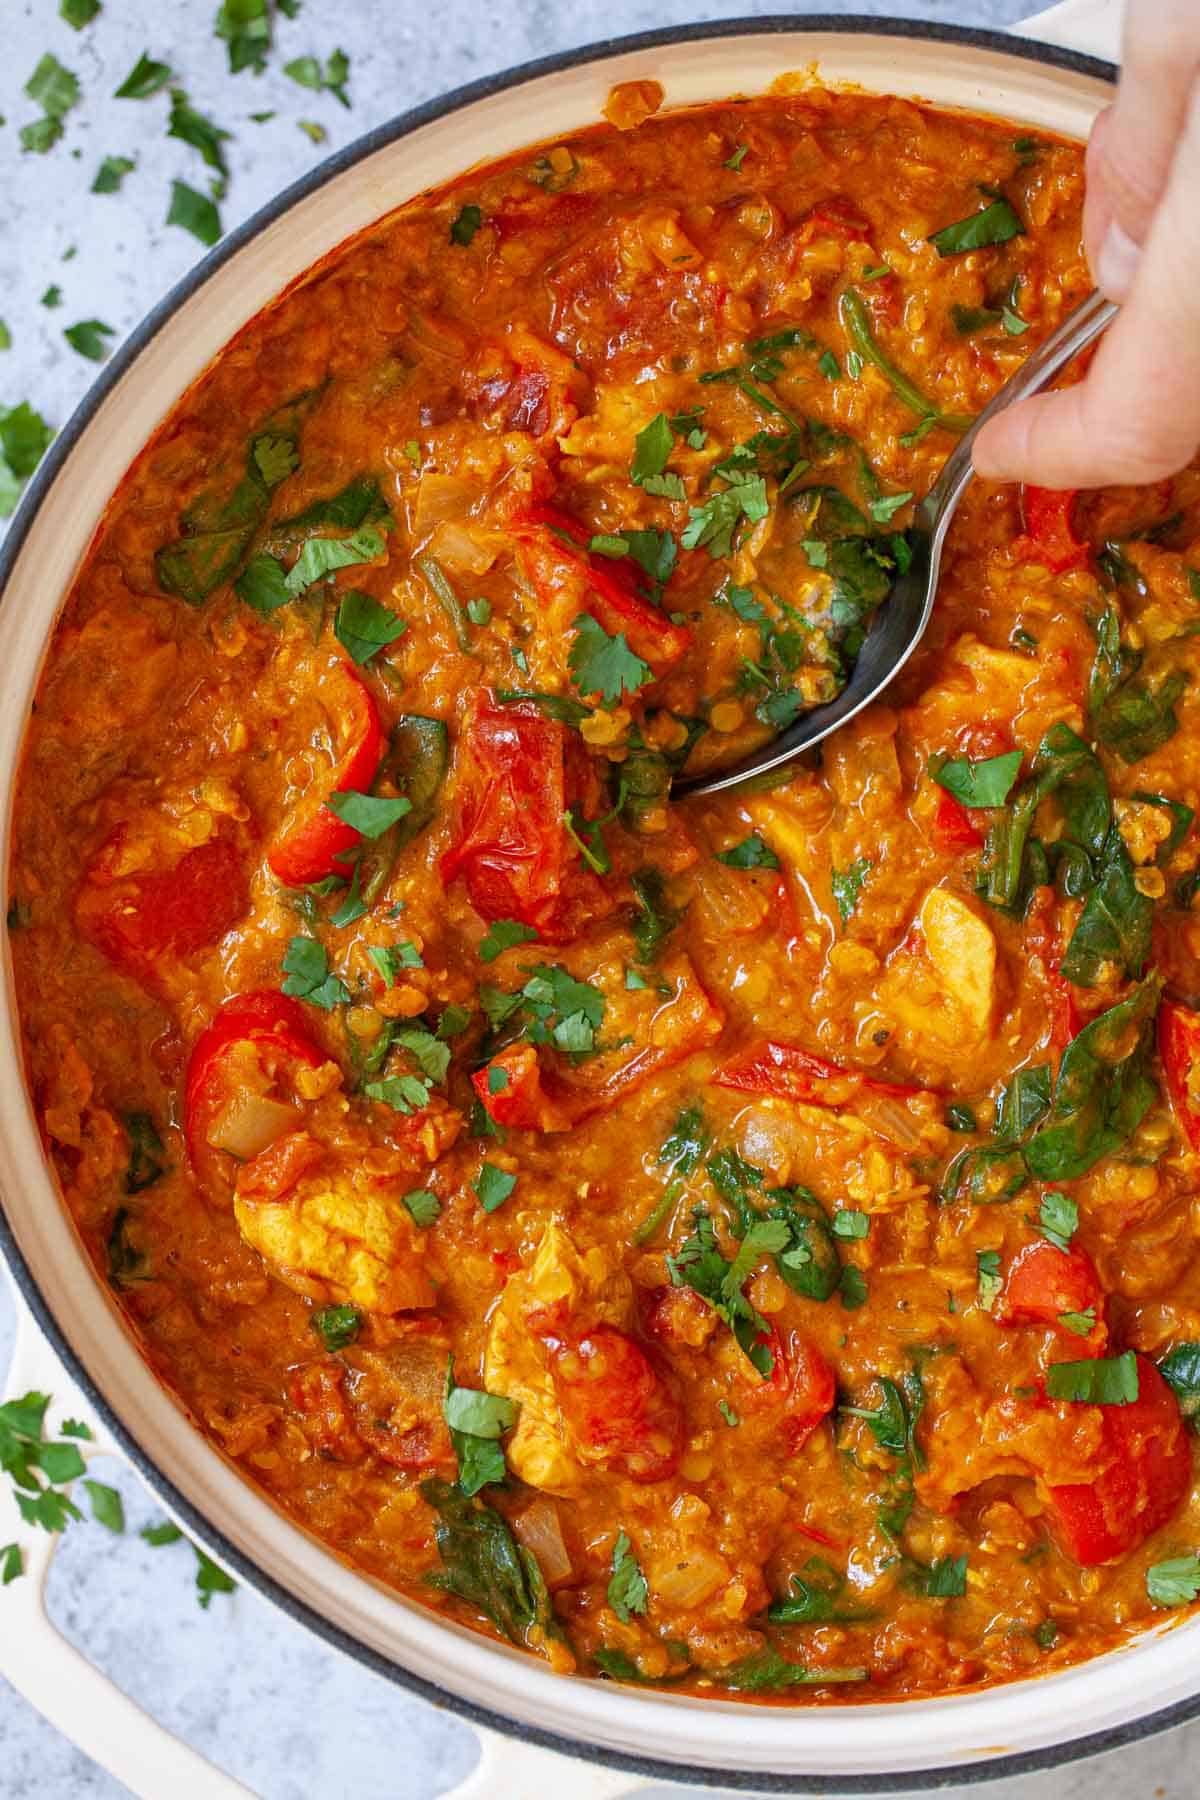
[746, 1244]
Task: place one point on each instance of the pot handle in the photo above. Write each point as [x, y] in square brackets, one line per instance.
[88, 1708]
[1093, 27]
[509, 1769]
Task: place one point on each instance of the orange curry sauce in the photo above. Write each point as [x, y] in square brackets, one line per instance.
[801, 1181]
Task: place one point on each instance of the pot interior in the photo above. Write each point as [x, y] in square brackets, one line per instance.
[968, 1731]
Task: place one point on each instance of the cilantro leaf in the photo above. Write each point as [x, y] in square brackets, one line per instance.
[424, 1206]
[503, 934]
[245, 25]
[605, 665]
[467, 223]
[370, 814]
[146, 77]
[714, 525]
[652, 448]
[1097, 1381]
[263, 584]
[1175, 1582]
[107, 1509]
[752, 853]
[111, 174]
[87, 337]
[493, 1186]
[986, 783]
[336, 1326]
[322, 556]
[307, 975]
[194, 212]
[627, 1591]
[847, 886]
[1058, 1218]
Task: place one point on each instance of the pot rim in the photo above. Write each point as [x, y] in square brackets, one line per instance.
[37, 491]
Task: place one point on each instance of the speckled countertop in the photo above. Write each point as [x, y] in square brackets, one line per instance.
[285, 1715]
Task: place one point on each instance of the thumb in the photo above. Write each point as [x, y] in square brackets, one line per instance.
[1136, 415]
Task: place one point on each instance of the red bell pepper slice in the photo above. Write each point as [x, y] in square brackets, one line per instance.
[953, 826]
[611, 595]
[1049, 536]
[314, 840]
[786, 1072]
[1179, 1048]
[1145, 1476]
[517, 775]
[273, 1026]
[142, 921]
[1043, 1282]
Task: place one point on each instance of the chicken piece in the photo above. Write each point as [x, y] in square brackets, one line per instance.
[346, 1238]
[539, 1450]
[959, 1454]
[962, 949]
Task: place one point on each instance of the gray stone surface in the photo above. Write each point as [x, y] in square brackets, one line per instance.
[286, 1716]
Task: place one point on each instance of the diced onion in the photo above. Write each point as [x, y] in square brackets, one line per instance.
[538, 1529]
[690, 1581]
[464, 548]
[249, 1123]
[891, 1117]
[442, 497]
[734, 905]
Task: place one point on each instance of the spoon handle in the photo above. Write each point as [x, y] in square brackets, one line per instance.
[1079, 329]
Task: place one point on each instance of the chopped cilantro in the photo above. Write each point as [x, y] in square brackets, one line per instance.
[194, 212]
[370, 814]
[87, 337]
[628, 1592]
[847, 886]
[307, 975]
[493, 1186]
[144, 79]
[1097, 1381]
[503, 934]
[111, 174]
[605, 665]
[424, 1206]
[469, 219]
[336, 1326]
[751, 853]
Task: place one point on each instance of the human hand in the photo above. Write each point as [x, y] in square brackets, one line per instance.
[1136, 415]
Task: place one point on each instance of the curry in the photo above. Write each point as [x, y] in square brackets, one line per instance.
[742, 1244]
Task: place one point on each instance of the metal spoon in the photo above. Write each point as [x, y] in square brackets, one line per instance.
[899, 624]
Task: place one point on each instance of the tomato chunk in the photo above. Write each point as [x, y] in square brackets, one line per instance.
[146, 919]
[610, 587]
[1050, 530]
[1043, 1282]
[314, 838]
[1179, 1048]
[617, 1404]
[801, 1388]
[513, 1091]
[1146, 1474]
[252, 1041]
[953, 826]
[516, 778]
[787, 1072]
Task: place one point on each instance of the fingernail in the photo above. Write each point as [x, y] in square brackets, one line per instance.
[1118, 263]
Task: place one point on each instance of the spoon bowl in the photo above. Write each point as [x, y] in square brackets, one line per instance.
[900, 623]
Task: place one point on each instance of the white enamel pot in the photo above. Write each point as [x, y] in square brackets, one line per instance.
[71, 1340]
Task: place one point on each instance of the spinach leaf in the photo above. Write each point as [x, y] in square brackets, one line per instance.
[1114, 926]
[700, 1265]
[996, 223]
[1010, 866]
[215, 533]
[146, 1153]
[1104, 1089]
[481, 1563]
[1180, 1367]
[336, 1326]
[766, 1672]
[856, 322]
[808, 1260]
[654, 919]
[1128, 714]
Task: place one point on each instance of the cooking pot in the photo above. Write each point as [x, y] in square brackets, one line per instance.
[72, 1341]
